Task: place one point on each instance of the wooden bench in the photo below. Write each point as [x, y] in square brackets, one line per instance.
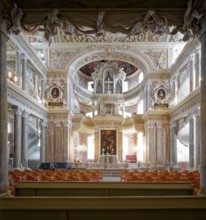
[101, 208]
[103, 189]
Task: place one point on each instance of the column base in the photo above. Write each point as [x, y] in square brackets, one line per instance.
[7, 194]
[202, 192]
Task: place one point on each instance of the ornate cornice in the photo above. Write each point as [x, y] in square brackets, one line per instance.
[113, 38]
[57, 74]
[62, 115]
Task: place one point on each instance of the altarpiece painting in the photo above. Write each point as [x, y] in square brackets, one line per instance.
[108, 142]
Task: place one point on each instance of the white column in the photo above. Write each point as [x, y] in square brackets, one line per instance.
[173, 85]
[17, 137]
[176, 89]
[197, 139]
[191, 142]
[191, 75]
[149, 96]
[46, 140]
[123, 110]
[146, 153]
[203, 113]
[178, 82]
[119, 149]
[24, 139]
[151, 142]
[72, 155]
[42, 142]
[24, 72]
[46, 50]
[36, 84]
[173, 143]
[18, 67]
[43, 81]
[197, 70]
[3, 108]
[145, 99]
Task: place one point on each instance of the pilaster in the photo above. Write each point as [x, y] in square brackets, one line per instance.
[58, 139]
[17, 137]
[97, 144]
[67, 133]
[119, 144]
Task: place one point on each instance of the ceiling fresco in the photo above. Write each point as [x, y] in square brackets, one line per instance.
[128, 68]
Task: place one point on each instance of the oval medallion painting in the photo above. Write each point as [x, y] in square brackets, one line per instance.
[55, 92]
[161, 94]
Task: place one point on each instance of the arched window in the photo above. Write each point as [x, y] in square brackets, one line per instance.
[108, 81]
[118, 88]
[99, 87]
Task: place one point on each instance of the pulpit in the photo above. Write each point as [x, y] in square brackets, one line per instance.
[108, 159]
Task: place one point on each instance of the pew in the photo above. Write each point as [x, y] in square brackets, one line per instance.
[103, 200]
[103, 189]
[101, 208]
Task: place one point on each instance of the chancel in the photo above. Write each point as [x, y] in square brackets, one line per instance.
[101, 92]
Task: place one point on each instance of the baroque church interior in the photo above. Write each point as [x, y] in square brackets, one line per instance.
[107, 86]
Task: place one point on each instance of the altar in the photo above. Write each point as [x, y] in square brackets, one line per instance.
[108, 159]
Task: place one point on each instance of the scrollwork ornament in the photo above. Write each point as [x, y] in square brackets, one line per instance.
[158, 58]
